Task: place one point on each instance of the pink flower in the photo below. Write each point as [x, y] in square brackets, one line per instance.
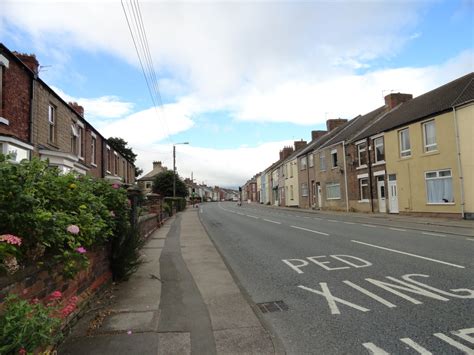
[22, 351]
[112, 214]
[10, 239]
[34, 301]
[129, 332]
[81, 250]
[115, 186]
[55, 295]
[73, 229]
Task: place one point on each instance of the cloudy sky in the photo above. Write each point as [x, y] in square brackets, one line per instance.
[239, 80]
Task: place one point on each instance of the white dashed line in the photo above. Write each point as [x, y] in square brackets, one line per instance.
[397, 229]
[332, 220]
[309, 230]
[409, 254]
[269, 220]
[249, 215]
[317, 218]
[349, 222]
[434, 234]
[471, 239]
[369, 225]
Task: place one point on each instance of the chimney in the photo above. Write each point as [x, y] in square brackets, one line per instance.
[300, 145]
[29, 60]
[78, 108]
[334, 123]
[394, 99]
[317, 134]
[157, 165]
[286, 152]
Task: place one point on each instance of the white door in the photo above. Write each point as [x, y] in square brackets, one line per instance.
[381, 194]
[319, 196]
[392, 193]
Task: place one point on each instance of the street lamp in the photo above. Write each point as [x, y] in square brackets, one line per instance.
[174, 167]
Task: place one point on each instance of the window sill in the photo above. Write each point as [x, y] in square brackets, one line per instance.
[94, 165]
[52, 144]
[4, 121]
[335, 198]
[379, 163]
[363, 201]
[405, 158]
[441, 204]
[334, 167]
[434, 152]
[362, 167]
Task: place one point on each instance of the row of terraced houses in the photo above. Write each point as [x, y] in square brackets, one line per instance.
[36, 121]
[409, 156]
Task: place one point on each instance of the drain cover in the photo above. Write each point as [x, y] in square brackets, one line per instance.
[274, 306]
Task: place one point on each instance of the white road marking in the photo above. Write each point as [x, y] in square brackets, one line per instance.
[397, 229]
[415, 346]
[241, 214]
[409, 254]
[249, 215]
[471, 239]
[332, 220]
[349, 222]
[454, 343]
[310, 230]
[318, 219]
[306, 217]
[269, 220]
[374, 349]
[369, 225]
[435, 234]
[370, 294]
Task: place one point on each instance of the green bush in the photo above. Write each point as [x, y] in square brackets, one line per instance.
[58, 216]
[178, 202]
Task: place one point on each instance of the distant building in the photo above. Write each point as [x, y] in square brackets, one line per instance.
[145, 183]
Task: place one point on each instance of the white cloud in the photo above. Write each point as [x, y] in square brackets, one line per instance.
[101, 107]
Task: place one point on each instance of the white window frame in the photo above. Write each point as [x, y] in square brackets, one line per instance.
[404, 153]
[304, 189]
[322, 161]
[361, 151]
[332, 185]
[334, 154]
[80, 143]
[361, 186]
[93, 149]
[432, 147]
[311, 160]
[109, 158]
[52, 119]
[374, 141]
[116, 165]
[291, 169]
[303, 163]
[439, 177]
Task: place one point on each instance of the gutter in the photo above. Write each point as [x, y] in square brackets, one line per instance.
[458, 153]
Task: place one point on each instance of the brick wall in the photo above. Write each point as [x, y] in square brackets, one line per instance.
[16, 96]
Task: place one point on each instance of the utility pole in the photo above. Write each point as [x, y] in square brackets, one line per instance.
[174, 167]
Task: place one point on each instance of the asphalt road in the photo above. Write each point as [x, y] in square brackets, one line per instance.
[349, 287]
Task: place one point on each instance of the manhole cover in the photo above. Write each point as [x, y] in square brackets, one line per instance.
[274, 306]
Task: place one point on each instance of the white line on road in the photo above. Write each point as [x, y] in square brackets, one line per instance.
[349, 222]
[471, 239]
[397, 229]
[249, 215]
[309, 230]
[409, 254]
[200, 210]
[269, 220]
[332, 220]
[369, 225]
[435, 234]
[317, 218]
[241, 214]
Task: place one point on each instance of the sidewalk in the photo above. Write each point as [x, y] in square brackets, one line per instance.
[182, 300]
[434, 224]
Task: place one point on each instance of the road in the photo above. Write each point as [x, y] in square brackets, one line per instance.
[349, 287]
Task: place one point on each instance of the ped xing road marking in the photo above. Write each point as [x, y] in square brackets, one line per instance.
[310, 230]
[406, 284]
[269, 220]
[465, 334]
[354, 261]
[410, 254]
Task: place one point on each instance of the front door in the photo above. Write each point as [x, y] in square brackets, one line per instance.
[381, 193]
[319, 195]
[392, 193]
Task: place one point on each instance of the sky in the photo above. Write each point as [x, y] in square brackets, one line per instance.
[239, 80]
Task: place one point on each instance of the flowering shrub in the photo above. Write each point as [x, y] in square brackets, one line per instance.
[27, 325]
[59, 217]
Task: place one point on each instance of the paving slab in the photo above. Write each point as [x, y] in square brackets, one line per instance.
[174, 343]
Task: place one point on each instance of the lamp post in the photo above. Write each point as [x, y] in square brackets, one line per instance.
[174, 167]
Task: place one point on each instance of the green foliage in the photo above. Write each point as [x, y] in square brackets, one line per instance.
[126, 254]
[163, 185]
[25, 325]
[179, 202]
[39, 204]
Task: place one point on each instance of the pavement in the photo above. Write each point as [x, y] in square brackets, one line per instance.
[182, 300]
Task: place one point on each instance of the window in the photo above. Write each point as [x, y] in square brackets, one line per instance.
[116, 164]
[80, 137]
[52, 123]
[15, 153]
[291, 169]
[439, 186]
[109, 160]
[333, 191]
[303, 163]
[334, 158]
[322, 161]
[429, 136]
[362, 153]
[311, 161]
[405, 149]
[379, 150]
[364, 189]
[93, 150]
[147, 184]
[74, 138]
[304, 189]
[291, 192]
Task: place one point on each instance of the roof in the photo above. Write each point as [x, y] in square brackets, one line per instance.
[321, 140]
[434, 102]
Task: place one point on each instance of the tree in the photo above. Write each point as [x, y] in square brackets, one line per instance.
[163, 185]
[121, 146]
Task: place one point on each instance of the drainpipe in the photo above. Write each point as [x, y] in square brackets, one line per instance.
[307, 183]
[369, 166]
[345, 175]
[458, 152]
